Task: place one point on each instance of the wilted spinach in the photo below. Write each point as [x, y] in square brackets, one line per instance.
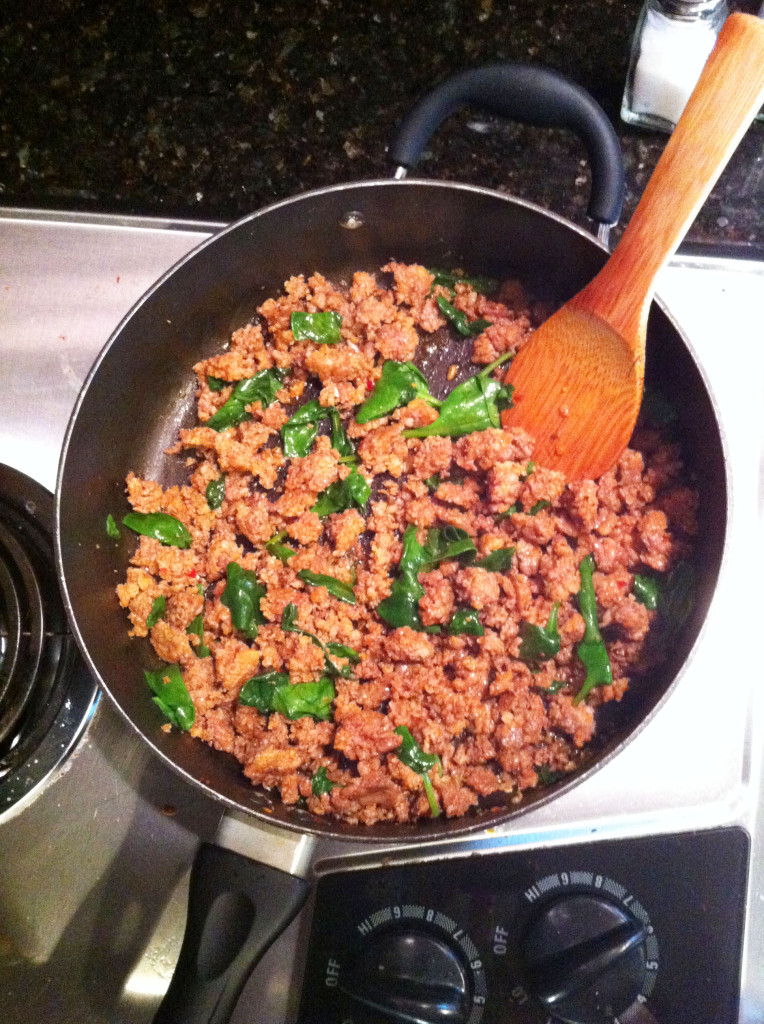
[401, 608]
[465, 620]
[272, 691]
[476, 404]
[399, 384]
[196, 628]
[157, 611]
[591, 651]
[343, 494]
[336, 587]
[646, 591]
[262, 387]
[320, 783]
[467, 328]
[498, 561]
[277, 549]
[539, 643]
[340, 441]
[300, 430]
[447, 279]
[323, 328]
[242, 597]
[289, 625]
[214, 492]
[257, 691]
[171, 695]
[412, 755]
[162, 527]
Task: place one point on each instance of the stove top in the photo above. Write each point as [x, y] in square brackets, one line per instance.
[94, 877]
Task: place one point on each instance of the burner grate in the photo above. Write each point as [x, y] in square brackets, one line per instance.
[42, 692]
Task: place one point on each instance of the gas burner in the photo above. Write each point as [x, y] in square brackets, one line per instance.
[46, 694]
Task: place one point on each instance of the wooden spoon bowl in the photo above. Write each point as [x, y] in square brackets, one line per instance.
[578, 381]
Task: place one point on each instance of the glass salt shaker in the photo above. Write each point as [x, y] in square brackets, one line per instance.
[672, 42]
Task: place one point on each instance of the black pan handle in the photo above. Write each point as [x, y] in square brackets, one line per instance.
[532, 95]
[237, 908]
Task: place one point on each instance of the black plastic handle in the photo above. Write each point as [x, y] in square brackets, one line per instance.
[532, 95]
[236, 909]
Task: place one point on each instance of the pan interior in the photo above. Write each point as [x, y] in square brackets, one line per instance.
[141, 390]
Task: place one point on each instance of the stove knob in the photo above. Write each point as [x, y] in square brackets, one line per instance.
[585, 958]
[407, 976]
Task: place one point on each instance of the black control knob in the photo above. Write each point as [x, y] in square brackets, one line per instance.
[407, 976]
[585, 958]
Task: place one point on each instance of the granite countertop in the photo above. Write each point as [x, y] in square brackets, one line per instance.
[209, 109]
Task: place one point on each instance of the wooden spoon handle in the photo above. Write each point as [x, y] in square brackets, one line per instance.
[725, 100]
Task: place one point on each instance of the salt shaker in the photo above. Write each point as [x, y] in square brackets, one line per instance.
[672, 41]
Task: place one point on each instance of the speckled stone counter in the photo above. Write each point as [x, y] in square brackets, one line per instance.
[211, 109]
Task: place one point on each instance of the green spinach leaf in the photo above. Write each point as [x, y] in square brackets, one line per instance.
[314, 699]
[171, 695]
[112, 530]
[547, 775]
[300, 430]
[444, 544]
[340, 441]
[157, 611]
[242, 597]
[646, 591]
[447, 279]
[323, 328]
[401, 608]
[272, 691]
[257, 692]
[498, 561]
[289, 625]
[353, 491]
[539, 643]
[412, 755]
[262, 387]
[279, 550]
[343, 651]
[196, 628]
[465, 620]
[214, 492]
[591, 651]
[678, 596]
[476, 404]
[467, 328]
[162, 527]
[399, 384]
[321, 783]
[336, 587]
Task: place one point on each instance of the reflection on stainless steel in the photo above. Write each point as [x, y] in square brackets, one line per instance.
[94, 872]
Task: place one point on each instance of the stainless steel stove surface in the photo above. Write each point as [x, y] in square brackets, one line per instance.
[94, 857]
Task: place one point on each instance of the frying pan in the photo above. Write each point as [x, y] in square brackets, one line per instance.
[141, 388]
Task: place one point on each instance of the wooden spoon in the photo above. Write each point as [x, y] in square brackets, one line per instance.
[578, 382]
